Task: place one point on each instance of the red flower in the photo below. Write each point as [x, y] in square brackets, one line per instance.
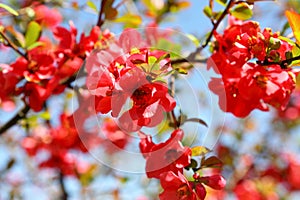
[230, 99]
[216, 182]
[116, 138]
[150, 100]
[124, 72]
[166, 156]
[38, 67]
[8, 81]
[247, 190]
[176, 187]
[47, 16]
[272, 84]
[246, 86]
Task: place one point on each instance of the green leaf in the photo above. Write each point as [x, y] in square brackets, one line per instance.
[45, 115]
[9, 9]
[288, 40]
[173, 48]
[32, 34]
[295, 52]
[92, 5]
[152, 63]
[242, 11]
[207, 11]
[34, 45]
[199, 150]
[222, 2]
[130, 20]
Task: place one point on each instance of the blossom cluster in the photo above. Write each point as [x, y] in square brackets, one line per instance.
[167, 160]
[250, 63]
[129, 70]
[48, 69]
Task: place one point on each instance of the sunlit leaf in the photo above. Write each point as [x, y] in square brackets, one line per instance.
[130, 20]
[34, 45]
[294, 19]
[9, 9]
[242, 11]
[32, 34]
[199, 150]
[92, 5]
[207, 11]
[222, 2]
[45, 115]
[295, 53]
[183, 4]
[173, 48]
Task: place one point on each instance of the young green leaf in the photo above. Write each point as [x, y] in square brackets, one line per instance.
[33, 33]
[9, 9]
[207, 11]
[193, 39]
[130, 20]
[222, 2]
[199, 150]
[242, 11]
[92, 5]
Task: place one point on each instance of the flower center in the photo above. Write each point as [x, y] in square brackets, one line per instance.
[261, 80]
[183, 192]
[141, 96]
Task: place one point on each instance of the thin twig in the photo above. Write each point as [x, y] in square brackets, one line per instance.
[100, 21]
[12, 45]
[283, 64]
[15, 119]
[64, 194]
[172, 91]
[216, 24]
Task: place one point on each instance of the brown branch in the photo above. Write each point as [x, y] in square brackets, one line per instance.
[100, 21]
[172, 91]
[283, 64]
[64, 194]
[184, 60]
[216, 24]
[12, 45]
[20, 115]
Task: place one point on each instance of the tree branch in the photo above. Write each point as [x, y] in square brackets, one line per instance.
[20, 115]
[12, 45]
[216, 24]
[64, 194]
[100, 21]
[283, 64]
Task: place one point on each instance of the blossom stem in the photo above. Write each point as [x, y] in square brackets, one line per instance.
[64, 195]
[283, 64]
[184, 60]
[100, 20]
[15, 119]
[12, 45]
[172, 91]
[192, 56]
